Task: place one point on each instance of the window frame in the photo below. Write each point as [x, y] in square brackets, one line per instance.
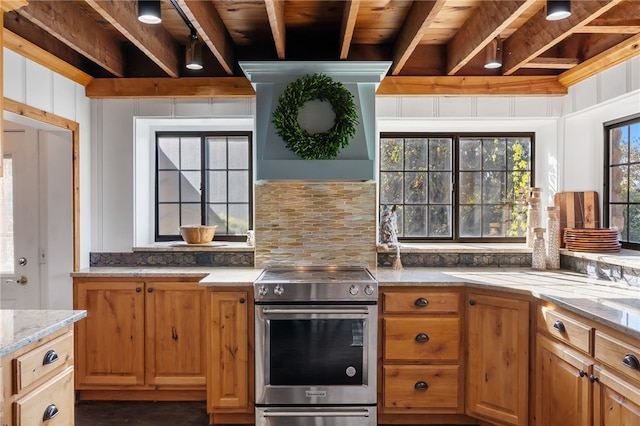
[203, 135]
[455, 172]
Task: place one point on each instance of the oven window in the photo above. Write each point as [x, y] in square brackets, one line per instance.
[316, 352]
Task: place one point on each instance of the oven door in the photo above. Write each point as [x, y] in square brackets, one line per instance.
[316, 416]
[316, 354]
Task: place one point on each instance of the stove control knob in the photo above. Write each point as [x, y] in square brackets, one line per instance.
[353, 290]
[278, 290]
[368, 290]
[263, 290]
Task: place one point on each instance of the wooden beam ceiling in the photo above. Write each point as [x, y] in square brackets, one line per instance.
[193, 87]
[349, 17]
[275, 12]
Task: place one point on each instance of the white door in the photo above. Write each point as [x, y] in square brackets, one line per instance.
[20, 286]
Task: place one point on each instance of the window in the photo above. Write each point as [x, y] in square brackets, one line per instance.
[203, 178]
[6, 218]
[622, 179]
[457, 187]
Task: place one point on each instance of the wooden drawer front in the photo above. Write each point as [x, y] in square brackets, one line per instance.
[421, 339]
[431, 302]
[30, 410]
[565, 329]
[43, 361]
[421, 386]
[617, 354]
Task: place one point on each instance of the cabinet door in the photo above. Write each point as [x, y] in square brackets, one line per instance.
[616, 401]
[175, 334]
[562, 385]
[228, 385]
[498, 358]
[109, 343]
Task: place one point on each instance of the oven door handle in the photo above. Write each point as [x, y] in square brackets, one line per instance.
[331, 311]
[327, 413]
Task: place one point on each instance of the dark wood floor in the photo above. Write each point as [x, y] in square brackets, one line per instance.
[141, 413]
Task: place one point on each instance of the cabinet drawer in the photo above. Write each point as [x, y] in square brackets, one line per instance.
[565, 329]
[422, 386]
[619, 355]
[421, 338]
[43, 361]
[55, 395]
[432, 302]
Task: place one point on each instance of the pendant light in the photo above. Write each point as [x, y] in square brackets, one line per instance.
[149, 11]
[194, 52]
[558, 9]
[493, 54]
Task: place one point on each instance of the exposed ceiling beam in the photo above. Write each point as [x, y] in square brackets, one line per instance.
[275, 13]
[7, 5]
[609, 29]
[609, 58]
[194, 87]
[552, 63]
[470, 86]
[349, 17]
[207, 22]
[66, 22]
[485, 24]
[420, 17]
[537, 34]
[153, 40]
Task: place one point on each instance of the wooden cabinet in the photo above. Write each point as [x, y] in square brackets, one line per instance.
[421, 345]
[498, 358]
[616, 401]
[144, 336]
[38, 382]
[230, 378]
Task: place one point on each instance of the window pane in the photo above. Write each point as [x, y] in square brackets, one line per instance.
[238, 153]
[238, 219]
[415, 188]
[190, 214]
[493, 154]
[168, 219]
[238, 187]
[618, 219]
[217, 153]
[634, 142]
[415, 154]
[440, 187]
[7, 258]
[440, 154]
[217, 215]
[634, 223]
[519, 154]
[470, 187]
[470, 154]
[391, 154]
[470, 219]
[619, 145]
[415, 221]
[217, 188]
[190, 186]
[190, 153]
[168, 187]
[619, 184]
[518, 184]
[493, 187]
[439, 221]
[168, 153]
[492, 219]
[634, 183]
[391, 188]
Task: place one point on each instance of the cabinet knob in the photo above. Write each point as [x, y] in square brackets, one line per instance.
[559, 325]
[582, 373]
[631, 361]
[422, 337]
[50, 357]
[50, 412]
[138, 289]
[421, 302]
[472, 302]
[150, 290]
[241, 300]
[593, 378]
[421, 386]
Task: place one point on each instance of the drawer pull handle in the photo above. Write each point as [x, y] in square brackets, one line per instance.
[472, 302]
[421, 386]
[631, 361]
[421, 302]
[422, 337]
[582, 373]
[50, 412]
[559, 325]
[50, 357]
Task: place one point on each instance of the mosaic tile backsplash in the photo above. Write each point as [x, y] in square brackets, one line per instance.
[315, 223]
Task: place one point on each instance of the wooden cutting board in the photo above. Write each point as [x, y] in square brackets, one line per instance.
[577, 210]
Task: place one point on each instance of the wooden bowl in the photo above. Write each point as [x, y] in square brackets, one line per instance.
[197, 234]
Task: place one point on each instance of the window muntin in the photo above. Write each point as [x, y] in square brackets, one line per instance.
[457, 187]
[623, 195]
[203, 179]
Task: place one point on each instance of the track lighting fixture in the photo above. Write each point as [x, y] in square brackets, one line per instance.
[493, 54]
[194, 52]
[558, 9]
[149, 11]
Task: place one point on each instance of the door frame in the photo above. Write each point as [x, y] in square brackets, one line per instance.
[48, 118]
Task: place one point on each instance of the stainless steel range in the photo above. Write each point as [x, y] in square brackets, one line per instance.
[316, 347]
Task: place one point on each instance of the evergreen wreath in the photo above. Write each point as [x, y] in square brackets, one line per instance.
[318, 146]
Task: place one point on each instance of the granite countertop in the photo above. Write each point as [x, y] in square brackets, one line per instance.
[18, 328]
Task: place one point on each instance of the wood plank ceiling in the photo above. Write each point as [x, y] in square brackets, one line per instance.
[436, 47]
